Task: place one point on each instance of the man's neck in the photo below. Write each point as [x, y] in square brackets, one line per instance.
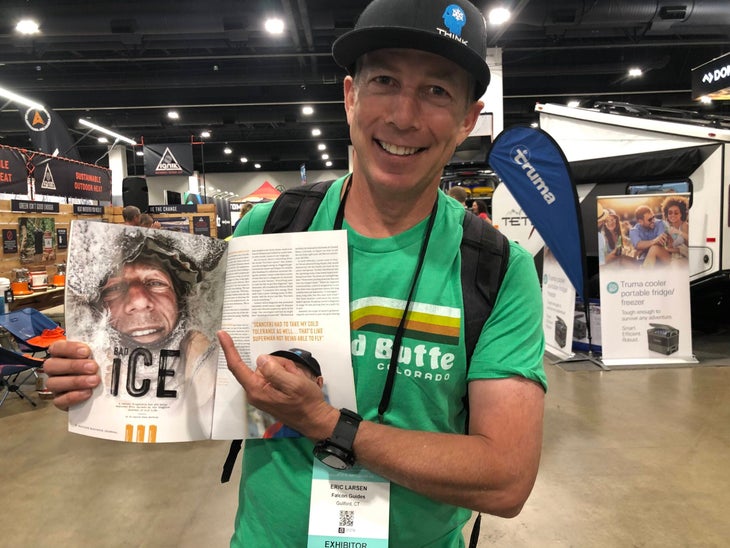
[383, 214]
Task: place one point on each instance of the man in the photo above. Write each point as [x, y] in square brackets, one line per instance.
[407, 109]
[459, 194]
[144, 296]
[131, 215]
[649, 237]
[147, 221]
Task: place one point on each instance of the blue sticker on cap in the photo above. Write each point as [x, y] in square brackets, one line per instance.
[454, 19]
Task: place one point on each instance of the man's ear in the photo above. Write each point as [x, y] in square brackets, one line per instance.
[349, 93]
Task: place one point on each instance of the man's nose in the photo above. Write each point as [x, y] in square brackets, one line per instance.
[405, 113]
[137, 296]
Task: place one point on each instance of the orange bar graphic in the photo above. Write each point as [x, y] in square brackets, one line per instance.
[152, 434]
[128, 432]
[140, 433]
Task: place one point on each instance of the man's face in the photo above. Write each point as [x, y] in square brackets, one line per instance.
[141, 302]
[647, 220]
[407, 111]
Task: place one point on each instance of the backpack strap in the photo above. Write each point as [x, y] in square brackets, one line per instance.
[295, 208]
[482, 248]
[233, 451]
[484, 261]
[293, 211]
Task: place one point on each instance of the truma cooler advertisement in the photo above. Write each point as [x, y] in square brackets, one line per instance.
[644, 277]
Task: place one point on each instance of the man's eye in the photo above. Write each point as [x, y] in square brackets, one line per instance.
[113, 291]
[383, 80]
[156, 285]
[438, 91]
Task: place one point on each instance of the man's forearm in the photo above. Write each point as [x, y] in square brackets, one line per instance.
[490, 472]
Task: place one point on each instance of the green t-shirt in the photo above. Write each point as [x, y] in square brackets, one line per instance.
[431, 380]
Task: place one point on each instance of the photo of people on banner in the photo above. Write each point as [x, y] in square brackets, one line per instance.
[645, 231]
[644, 279]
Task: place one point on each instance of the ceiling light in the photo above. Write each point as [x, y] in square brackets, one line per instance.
[244, 159]
[635, 72]
[574, 103]
[274, 25]
[705, 100]
[321, 146]
[325, 156]
[499, 16]
[140, 153]
[9, 95]
[257, 166]
[204, 134]
[307, 110]
[328, 163]
[228, 150]
[316, 132]
[173, 115]
[103, 140]
[109, 132]
[27, 26]
[534, 125]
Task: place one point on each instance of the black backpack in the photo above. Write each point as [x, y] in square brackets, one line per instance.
[484, 260]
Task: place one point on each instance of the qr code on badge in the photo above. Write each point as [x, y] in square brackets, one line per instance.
[347, 518]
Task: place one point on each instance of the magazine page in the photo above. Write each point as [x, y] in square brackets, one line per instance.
[148, 302]
[285, 292]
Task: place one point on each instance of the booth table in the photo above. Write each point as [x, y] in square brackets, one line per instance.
[40, 300]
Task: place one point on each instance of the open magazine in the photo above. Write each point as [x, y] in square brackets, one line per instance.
[149, 303]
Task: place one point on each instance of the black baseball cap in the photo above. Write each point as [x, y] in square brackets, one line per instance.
[454, 30]
[301, 357]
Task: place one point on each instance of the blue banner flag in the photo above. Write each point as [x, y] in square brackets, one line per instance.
[535, 170]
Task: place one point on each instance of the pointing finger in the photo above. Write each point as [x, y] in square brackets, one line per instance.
[235, 363]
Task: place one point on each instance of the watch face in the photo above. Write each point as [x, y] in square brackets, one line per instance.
[332, 456]
[333, 462]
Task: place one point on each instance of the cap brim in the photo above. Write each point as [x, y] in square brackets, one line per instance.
[349, 47]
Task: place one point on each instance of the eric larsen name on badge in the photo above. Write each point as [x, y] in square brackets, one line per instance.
[337, 489]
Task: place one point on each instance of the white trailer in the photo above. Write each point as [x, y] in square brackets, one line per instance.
[616, 148]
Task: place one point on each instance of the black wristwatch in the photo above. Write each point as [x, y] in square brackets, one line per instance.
[336, 451]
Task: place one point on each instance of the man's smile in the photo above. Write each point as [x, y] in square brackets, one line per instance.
[144, 332]
[398, 150]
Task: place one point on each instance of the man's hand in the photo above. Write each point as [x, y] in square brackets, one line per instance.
[72, 373]
[278, 388]
[661, 240]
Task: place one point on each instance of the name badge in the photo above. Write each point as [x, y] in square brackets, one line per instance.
[348, 508]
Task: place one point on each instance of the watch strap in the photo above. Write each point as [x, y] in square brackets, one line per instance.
[345, 430]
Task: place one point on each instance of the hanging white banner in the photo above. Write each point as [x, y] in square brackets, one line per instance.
[644, 278]
[558, 297]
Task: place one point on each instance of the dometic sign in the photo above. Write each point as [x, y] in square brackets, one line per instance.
[169, 159]
[712, 79]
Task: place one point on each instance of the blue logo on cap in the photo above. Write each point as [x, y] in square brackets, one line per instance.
[454, 19]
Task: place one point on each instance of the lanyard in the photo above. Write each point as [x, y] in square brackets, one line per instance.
[398, 338]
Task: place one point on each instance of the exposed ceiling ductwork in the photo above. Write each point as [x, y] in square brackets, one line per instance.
[124, 64]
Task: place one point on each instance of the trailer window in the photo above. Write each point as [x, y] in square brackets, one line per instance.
[659, 188]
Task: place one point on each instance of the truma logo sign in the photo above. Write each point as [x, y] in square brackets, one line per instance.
[521, 156]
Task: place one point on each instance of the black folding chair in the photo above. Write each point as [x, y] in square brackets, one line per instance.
[15, 370]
